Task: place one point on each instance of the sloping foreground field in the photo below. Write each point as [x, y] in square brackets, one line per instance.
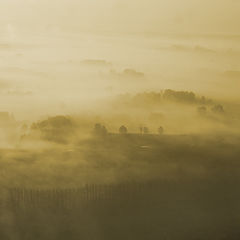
[123, 187]
[153, 210]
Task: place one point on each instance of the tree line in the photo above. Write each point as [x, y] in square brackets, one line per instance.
[101, 130]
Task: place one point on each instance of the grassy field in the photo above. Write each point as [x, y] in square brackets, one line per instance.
[188, 189]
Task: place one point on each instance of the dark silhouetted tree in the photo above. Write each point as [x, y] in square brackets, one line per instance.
[145, 130]
[104, 131]
[160, 130]
[99, 130]
[217, 108]
[57, 129]
[179, 96]
[123, 130]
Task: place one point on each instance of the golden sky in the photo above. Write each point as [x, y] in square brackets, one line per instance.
[164, 16]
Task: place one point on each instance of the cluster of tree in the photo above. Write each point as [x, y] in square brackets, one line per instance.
[127, 73]
[218, 109]
[56, 129]
[179, 96]
[154, 98]
[61, 129]
[100, 130]
[143, 130]
[185, 96]
[132, 73]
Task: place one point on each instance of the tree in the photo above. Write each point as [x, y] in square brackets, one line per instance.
[217, 108]
[99, 130]
[123, 130]
[104, 131]
[179, 96]
[160, 130]
[145, 130]
[57, 129]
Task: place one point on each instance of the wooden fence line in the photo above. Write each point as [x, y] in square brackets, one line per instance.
[73, 197]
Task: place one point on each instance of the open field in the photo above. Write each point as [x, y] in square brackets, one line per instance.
[170, 187]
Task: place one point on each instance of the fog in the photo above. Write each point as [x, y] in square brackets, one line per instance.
[112, 15]
[187, 45]
[116, 114]
[51, 69]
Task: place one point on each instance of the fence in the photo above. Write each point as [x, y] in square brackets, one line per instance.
[72, 198]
